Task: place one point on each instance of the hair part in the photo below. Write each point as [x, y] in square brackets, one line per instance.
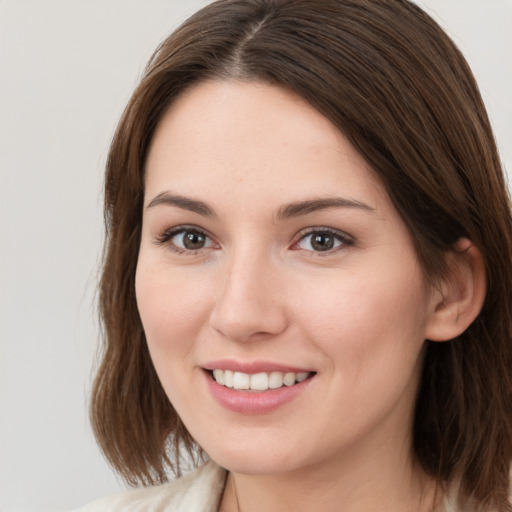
[401, 92]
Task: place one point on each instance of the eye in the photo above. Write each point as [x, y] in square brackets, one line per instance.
[322, 240]
[183, 239]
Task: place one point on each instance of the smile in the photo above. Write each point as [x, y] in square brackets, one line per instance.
[258, 381]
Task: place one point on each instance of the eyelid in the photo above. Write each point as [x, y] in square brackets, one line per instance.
[345, 239]
[164, 238]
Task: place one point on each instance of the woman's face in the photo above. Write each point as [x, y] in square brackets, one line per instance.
[271, 252]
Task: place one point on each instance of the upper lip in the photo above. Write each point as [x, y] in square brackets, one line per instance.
[253, 367]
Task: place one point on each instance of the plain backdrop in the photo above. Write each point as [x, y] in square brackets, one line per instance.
[67, 68]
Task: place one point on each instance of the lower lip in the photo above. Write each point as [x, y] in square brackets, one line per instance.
[254, 402]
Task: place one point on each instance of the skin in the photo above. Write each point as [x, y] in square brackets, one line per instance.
[357, 315]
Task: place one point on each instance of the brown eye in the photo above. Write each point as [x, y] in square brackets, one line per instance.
[193, 240]
[323, 241]
[188, 239]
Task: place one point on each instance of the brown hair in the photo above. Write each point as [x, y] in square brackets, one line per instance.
[397, 87]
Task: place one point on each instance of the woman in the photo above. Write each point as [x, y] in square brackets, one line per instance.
[307, 275]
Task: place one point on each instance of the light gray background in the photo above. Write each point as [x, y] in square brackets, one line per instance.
[66, 70]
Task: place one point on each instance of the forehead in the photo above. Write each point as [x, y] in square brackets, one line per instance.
[247, 138]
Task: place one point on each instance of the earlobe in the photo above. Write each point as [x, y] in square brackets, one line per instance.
[461, 296]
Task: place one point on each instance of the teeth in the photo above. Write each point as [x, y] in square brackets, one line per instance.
[258, 381]
[228, 378]
[241, 380]
[289, 379]
[218, 375]
[302, 376]
[275, 380]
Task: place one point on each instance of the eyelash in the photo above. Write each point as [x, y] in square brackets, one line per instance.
[344, 240]
[166, 237]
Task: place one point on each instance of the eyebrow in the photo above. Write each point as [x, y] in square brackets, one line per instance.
[295, 209]
[312, 205]
[185, 203]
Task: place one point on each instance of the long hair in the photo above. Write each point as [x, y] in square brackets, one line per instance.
[401, 92]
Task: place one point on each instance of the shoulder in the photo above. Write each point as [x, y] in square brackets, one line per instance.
[199, 491]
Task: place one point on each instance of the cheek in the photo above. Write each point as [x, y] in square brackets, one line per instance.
[374, 318]
[173, 309]
[370, 331]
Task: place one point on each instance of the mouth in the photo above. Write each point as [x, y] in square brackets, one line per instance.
[262, 381]
[257, 387]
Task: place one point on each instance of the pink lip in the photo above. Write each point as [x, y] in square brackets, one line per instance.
[252, 366]
[254, 402]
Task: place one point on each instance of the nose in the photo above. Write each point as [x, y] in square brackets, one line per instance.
[248, 302]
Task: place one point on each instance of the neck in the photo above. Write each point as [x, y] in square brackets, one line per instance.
[387, 486]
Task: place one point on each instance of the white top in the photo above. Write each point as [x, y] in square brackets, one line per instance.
[199, 491]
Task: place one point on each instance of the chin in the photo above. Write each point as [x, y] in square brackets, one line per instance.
[256, 465]
[257, 458]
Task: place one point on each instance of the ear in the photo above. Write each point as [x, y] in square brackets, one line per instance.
[461, 296]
